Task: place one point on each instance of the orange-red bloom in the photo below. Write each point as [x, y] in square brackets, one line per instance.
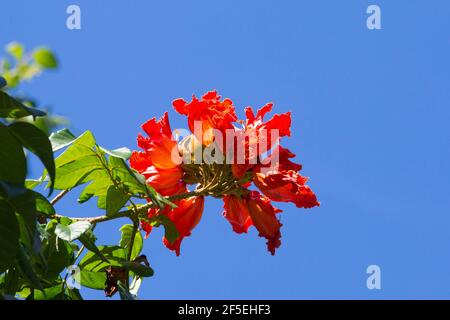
[276, 176]
[260, 136]
[264, 219]
[210, 111]
[159, 146]
[286, 186]
[236, 212]
[156, 162]
[281, 122]
[185, 217]
[166, 182]
[254, 209]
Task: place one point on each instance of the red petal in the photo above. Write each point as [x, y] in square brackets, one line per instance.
[167, 182]
[284, 163]
[282, 122]
[210, 111]
[286, 186]
[211, 95]
[264, 110]
[264, 218]
[140, 161]
[185, 217]
[249, 114]
[236, 212]
[180, 106]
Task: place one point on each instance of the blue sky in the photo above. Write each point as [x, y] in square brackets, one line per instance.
[370, 126]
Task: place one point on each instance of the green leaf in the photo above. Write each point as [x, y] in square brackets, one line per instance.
[37, 142]
[123, 153]
[115, 200]
[86, 139]
[115, 255]
[93, 280]
[8, 190]
[61, 139]
[43, 205]
[124, 293]
[11, 108]
[88, 240]
[135, 182]
[123, 174]
[13, 165]
[74, 294]
[27, 231]
[72, 174]
[10, 282]
[24, 263]
[77, 162]
[74, 153]
[16, 50]
[100, 182]
[138, 269]
[170, 230]
[59, 254]
[125, 240]
[73, 231]
[12, 79]
[28, 71]
[52, 293]
[81, 146]
[9, 236]
[25, 206]
[33, 183]
[45, 58]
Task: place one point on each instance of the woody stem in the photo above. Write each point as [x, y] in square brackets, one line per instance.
[128, 213]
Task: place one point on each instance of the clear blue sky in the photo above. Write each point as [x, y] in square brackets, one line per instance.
[370, 126]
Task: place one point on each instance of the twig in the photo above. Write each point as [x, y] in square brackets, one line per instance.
[59, 197]
[128, 213]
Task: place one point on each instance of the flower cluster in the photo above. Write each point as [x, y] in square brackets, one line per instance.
[172, 167]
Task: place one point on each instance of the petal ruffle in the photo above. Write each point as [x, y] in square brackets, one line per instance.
[185, 217]
[210, 111]
[264, 218]
[166, 182]
[236, 212]
[286, 186]
[159, 146]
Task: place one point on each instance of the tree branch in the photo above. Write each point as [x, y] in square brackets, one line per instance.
[128, 213]
[59, 197]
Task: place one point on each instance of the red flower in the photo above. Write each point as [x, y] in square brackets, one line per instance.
[166, 182]
[160, 147]
[156, 163]
[281, 181]
[280, 122]
[264, 219]
[260, 136]
[140, 161]
[210, 111]
[185, 217]
[276, 176]
[286, 186]
[254, 209]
